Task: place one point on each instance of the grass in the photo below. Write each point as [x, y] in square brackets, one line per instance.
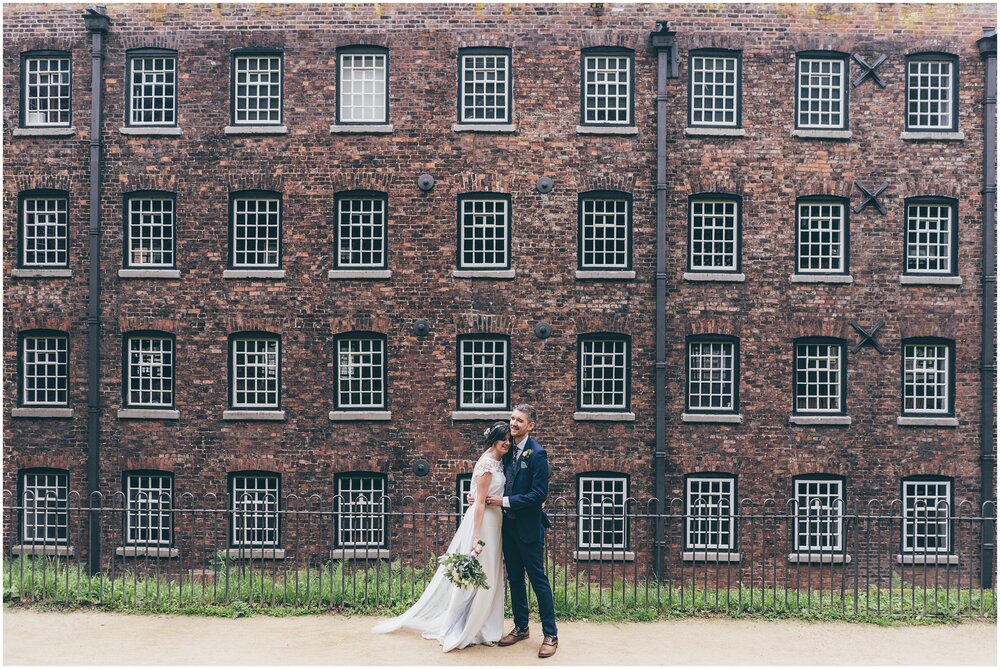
[235, 590]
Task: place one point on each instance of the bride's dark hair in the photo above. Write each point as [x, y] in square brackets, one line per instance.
[496, 432]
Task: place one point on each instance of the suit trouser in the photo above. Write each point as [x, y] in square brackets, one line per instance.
[521, 558]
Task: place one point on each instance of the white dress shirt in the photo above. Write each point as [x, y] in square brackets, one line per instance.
[518, 449]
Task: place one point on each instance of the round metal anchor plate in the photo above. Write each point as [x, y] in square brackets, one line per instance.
[420, 327]
[545, 185]
[543, 330]
[421, 467]
[425, 182]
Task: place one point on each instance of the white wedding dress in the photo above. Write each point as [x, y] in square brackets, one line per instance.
[459, 617]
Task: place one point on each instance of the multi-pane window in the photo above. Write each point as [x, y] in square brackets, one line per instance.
[483, 232]
[819, 503]
[361, 230]
[361, 372]
[715, 234]
[361, 505]
[926, 515]
[484, 86]
[715, 89]
[821, 240]
[149, 370]
[44, 507]
[152, 88]
[257, 88]
[604, 373]
[44, 369]
[605, 231]
[149, 227]
[363, 85]
[44, 230]
[256, 231]
[821, 93]
[483, 373]
[931, 92]
[820, 376]
[254, 505]
[255, 366]
[150, 503]
[45, 90]
[607, 87]
[463, 487]
[710, 503]
[603, 523]
[713, 374]
[931, 236]
[927, 377]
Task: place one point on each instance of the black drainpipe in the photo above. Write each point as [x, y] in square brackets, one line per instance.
[664, 43]
[987, 458]
[97, 23]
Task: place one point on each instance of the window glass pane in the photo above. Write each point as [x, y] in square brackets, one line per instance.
[153, 91]
[148, 521]
[929, 238]
[925, 378]
[150, 372]
[485, 87]
[363, 86]
[361, 519]
[821, 93]
[360, 373]
[604, 238]
[255, 511]
[45, 232]
[483, 374]
[150, 232]
[47, 92]
[255, 373]
[603, 374]
[45, 370]
[258, 89]
[256, 232]
[710, 513]
[711, 370]
[484, 234]
[607, 89]
[821, 238]
[714, 90]
[929, 104]
[45, 502]
[714, 235]
[603, 522]
[818, 380]
[361, 232]
[819, 513]
[926, 516]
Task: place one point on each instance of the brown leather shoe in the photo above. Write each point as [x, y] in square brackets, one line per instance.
[549, 645]
[513, 637]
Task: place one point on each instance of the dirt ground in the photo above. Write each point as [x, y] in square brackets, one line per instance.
[89, 638]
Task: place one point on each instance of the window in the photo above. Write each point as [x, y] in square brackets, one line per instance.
[361, 510]
[607, 86]
[605, 231]
[149, 521]
[820, 376]
[44, 229]
[256, 371]
[932, 92]
[821, 93]
[255, 506]
[931, 236]
[463, 486]
[484, 85]
[484, 231]
[714, 235]
[363, 85]
[822, 246]
[45, 89]
[255, 232]
[257, 84]
[361, 230]
[928, 377]
[819, 503]
[710, 503]
[713, 374]
[605, 367]
[360, 371]
[483, 370]
[152, 88]
[149, 230]
[603, 514]
[149, 370]
[45, 506]
[44, 369]
[715, 94]
[927, 507]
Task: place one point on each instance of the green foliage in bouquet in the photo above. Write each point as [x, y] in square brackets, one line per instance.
[464, 571]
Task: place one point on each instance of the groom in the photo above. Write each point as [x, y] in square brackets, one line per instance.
[524, 523]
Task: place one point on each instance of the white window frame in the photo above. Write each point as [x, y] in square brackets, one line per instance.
[368, 80]
[710, 73]
[475, 62]
[52, 369]
[45, 228]
[255, 497]
[490, 215]
[361, 358]
[149, 515]
[159, 75]
[363, 216]
[918, 511]
[606, 227]
[266, 214]
[45, 495]
[838, 69]
[814, 364]
[155, 366]
[147, 213]
[271, 367]
[258, 77]
[930, 227]
[467, 362]
[708, 506]
[720, 374]
[362, 521]
[919, 68]
[705, 217]
[63, 96]
[604, 515]
[463, 485]
[917, 369]
[819, 504]
[615, 361]
[603, 68]
[815, 229]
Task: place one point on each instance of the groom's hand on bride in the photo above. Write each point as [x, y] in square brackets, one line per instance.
[493, 500]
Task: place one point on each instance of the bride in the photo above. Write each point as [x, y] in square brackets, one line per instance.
[459, 617]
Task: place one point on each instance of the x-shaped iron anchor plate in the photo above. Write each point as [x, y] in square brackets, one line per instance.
[871, 196]
[868, 71]
[868, 337]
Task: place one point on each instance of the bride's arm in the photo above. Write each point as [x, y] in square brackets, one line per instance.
[482, 487]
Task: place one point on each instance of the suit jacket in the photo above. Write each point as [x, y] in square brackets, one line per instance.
[526, 489]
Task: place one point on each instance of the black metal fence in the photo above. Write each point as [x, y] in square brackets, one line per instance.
[848, 560]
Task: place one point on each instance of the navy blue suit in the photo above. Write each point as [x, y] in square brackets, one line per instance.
[524, 526]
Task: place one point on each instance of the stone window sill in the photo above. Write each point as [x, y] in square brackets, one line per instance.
[712, 418]
[149, 414]
[359, 554]
[483, 273]
[359, 274]
[44, 132]
[820, 558]
[819, 420]
[715, 132]
[606, 130]
[359, 415]
[710, 556]
[242, 414]
[604, 556]
[607, 416]
[821, 134]
[256, 553]
[605, 275]
[41, 412]
[253, 274]
[919, 280]
[503, 128]
[138, 131]
[25, 273]
[932, 136]
[256, 130]
[149, 274]
[147, 551]
[361, 128]
[821, 278]
[929, 558]
[719, 277]
[42, 549]
[927, 421]
[499, 414]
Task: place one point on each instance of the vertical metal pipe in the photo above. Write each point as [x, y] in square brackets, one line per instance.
[987, 458]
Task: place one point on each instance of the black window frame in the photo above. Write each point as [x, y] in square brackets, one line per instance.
[931, 56]
[820, 476]
[932, 341]
[601, 194]
[483, 195]
[22, 506]
[231, 370]
[930, 200]
[337, 499]
[362, 49]
[626, 504]
[927, 478]
[486, 51]
[127, 510]
[735, 543]
[843, 374]
[458, 369]
[43, 53]
[716, 53]
[231, 509]
[715, 196]
[701, 338]
[604, 336]
[613, 52]
[150, 52]
[244, 52]
[824, 55]
[41, 193]
[139, 334]
[361, 334]
[42, 332]
[251, 194]
[126, 227]
[845, 204]
[358, 194]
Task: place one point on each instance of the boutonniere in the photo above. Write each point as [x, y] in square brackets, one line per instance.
[526, 454]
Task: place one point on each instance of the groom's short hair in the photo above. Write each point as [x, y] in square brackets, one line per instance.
[528, 411]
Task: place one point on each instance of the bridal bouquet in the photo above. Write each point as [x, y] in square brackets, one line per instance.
[465, 571]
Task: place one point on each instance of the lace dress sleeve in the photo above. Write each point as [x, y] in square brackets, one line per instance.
[486, 464]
